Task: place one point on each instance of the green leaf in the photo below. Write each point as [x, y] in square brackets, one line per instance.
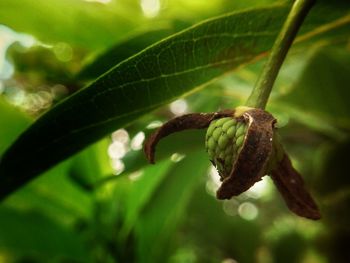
[55, 195]
[121, 51]
[142, 191]
[12, 123]
[39, 194]
[91, 165]
[322, 91]
[33, 235]
[163, 213]
[163, 72]
[83, 24]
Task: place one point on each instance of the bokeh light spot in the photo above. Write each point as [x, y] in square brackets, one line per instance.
[150, 8]
[154, 125]
[177, 157]
[118, 166]
[63, 52]
[179, 107]
[230, 207]
[137, 141]
[121, 135]
[213, 181]
[260, 189]
[116, 150]
[248, 211]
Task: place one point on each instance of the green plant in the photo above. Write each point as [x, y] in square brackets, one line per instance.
[243, 144]
[75, 107]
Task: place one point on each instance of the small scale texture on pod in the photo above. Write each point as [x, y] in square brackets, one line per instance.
[224, 140]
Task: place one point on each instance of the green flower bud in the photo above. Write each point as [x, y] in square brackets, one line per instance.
[224, 140]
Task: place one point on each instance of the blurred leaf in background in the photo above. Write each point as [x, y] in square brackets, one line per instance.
[105, 203]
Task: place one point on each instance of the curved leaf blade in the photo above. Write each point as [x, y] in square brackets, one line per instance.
[121, 51]
[159, 74]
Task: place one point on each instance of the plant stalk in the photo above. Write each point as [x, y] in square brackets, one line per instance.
[261, 92]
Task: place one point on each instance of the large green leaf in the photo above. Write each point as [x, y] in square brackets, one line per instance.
[122, 50]
[39, 195]
[163, 72]
[171, 68]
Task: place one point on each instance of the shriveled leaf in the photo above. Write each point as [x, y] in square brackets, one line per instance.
[169, 69]
[291, 186]
[185, 142]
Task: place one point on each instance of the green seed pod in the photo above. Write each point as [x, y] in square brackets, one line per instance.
[224, 139]
[244, 146]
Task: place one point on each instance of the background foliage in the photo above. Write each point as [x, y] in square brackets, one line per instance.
[105, 203]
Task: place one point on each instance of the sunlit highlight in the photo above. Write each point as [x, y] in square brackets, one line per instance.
[99, 1]
[154, 125]
[116, 150]
[260, 189]
[136, 175]
[179, 107]
[7, 38]
[121, 135]
[230, 207]
[118, 166]
[177, 157]
[150, 8]
[213, 181]
[137, 141]
[248, 211]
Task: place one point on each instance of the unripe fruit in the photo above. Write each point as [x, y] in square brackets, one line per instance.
[224, 140]
[244, 146]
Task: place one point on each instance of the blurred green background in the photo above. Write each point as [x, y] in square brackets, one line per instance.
[106, 204]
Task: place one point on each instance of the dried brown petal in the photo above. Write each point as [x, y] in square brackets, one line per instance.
[250, 164]
[184, 122]
[291, 186]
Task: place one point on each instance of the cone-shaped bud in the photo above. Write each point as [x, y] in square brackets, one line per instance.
[224, 140]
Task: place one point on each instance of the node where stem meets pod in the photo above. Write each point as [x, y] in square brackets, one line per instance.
[243, 146]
